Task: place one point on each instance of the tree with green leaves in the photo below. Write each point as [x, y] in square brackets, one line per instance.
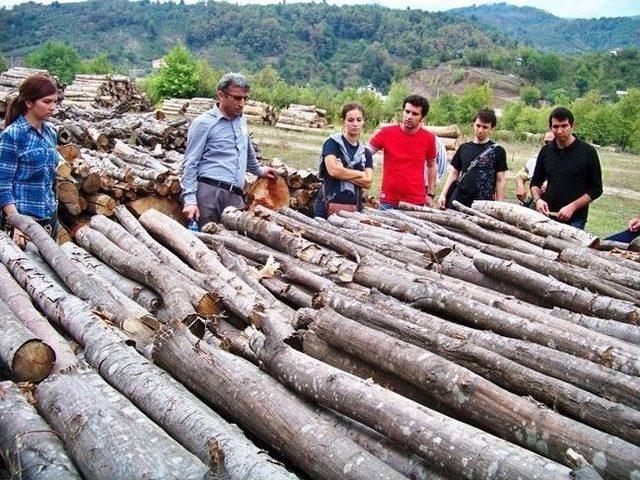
[58, 58]
[178, 78]
[98, 65]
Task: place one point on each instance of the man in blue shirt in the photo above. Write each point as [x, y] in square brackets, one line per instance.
[218, 154]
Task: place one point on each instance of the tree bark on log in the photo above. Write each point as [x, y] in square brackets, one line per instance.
[99, 435]
[602, 381]
[459, 449]
[137, 292]
[236, 295]
[80, 284]
[174, 292]
[560, 294]
[534, 222]
[24, 356]
[265, 408]
[575, 276]
[607, 416]
[478, 400]
[623, 331]
[583, 257]
[30, 448]
[20, 304]
[431, 297]
[180, 412]
[272, 234]
[476, 231]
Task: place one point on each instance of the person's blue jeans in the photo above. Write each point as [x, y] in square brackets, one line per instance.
[386, 206]
[579, 224]
[626, 236]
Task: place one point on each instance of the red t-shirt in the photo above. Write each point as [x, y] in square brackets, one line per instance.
[405, 154]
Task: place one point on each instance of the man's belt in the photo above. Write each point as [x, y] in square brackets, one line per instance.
[224, 185]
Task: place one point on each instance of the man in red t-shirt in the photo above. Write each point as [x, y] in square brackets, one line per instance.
[407, 147]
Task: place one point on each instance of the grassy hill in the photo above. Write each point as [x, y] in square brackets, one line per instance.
[548, 32]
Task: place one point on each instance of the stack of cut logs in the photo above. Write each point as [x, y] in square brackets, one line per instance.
[99, 129]
[96, 182]
[451, 136]
[105, 91]
[254, 111]
[10, 81]
[484, 343]
[302, 118]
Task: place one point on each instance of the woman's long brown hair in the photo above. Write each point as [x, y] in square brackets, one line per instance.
[32, 88]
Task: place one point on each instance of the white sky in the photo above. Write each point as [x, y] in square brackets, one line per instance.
[567, 9]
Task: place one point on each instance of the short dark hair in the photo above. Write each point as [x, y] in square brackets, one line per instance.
[417, 101]
[486, 115]
[347, 107]
[561, 113]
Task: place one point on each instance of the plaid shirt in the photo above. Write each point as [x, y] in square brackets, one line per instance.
[28, 162]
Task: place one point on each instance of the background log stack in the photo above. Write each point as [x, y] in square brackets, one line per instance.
[451, 136]
[302, 117]
[106, 91]
[199, 105]
[174, 107]
[10, 81]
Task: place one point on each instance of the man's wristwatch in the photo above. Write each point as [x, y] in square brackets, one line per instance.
[431, 195]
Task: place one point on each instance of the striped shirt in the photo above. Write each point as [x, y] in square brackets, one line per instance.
[28, 162]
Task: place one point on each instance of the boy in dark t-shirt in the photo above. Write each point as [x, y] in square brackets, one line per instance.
[486, 179]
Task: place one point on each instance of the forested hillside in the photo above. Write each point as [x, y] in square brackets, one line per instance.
[548, 32]
[304, 42]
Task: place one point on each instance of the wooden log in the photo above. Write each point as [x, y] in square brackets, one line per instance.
[80, 284]
[141, 452]
[488, 237]
[473, 398]
[270, 412]
[447, 131]
[101, 204]
[623, 331]
[268, 192]
[24, 356]
[69, 152]
[29, 447]
[558, 293]
[534, 222]
[465, 451]
[236, 295]
[604, 382]
[178, 411]
[623, 422]
[611, 270]
[430, 297]
[20, 304]
[272, 234]
[137, 292]
[171, 287]
[580, 278]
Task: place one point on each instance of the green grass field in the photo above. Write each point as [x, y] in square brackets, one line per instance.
[608, 214]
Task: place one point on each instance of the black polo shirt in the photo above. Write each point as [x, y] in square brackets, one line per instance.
[570, 173]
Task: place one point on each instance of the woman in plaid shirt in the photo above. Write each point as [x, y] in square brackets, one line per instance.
[28, 156]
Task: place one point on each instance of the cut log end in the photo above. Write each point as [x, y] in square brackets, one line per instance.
[33, 361]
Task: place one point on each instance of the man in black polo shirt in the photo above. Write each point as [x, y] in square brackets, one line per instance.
[572, 170]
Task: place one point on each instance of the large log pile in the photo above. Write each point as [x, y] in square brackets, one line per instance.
[10, 81]
[407, 343]
[118, 92]
[302, 117]
[451, 136]
[254, 111]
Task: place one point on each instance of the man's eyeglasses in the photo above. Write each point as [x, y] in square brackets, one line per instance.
[237, 98]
